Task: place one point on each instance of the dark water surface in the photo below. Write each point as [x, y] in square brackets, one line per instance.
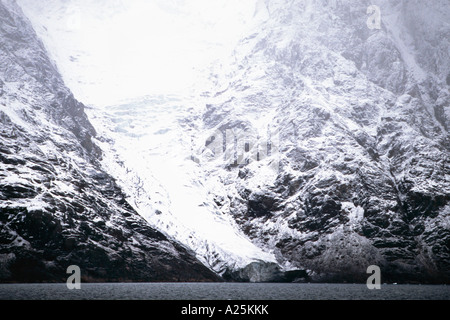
[222, 291]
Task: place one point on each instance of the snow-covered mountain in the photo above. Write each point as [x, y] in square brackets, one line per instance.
[363, 118]
[147, 146]
[320, 143]
[58, 207]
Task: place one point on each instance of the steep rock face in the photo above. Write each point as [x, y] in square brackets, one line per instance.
[362, 118]
[57, 206]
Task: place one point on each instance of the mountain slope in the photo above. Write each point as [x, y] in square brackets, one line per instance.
[57, 206]
[358, 171]
[362, 118]
[349, 129]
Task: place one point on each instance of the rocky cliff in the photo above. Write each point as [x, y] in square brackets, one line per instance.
[362, 118]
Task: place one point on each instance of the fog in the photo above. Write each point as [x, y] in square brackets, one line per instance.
[113, 50]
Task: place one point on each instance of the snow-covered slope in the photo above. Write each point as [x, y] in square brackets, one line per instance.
[349, 126]
[362, 137]
[363, 117]
[147, 141]
[58, 207]
[148, 150]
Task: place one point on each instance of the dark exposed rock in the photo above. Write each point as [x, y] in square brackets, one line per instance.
[261, 205]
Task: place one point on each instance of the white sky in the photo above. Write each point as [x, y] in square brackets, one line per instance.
[109, 50]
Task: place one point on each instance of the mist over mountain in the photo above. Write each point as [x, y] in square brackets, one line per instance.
[308, 144]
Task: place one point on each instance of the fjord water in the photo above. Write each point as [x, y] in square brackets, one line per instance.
[222, 291]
